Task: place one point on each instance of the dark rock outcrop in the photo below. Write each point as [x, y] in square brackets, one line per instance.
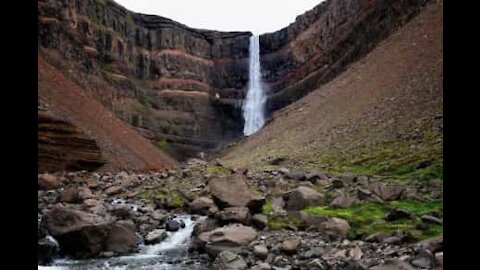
[62, 146]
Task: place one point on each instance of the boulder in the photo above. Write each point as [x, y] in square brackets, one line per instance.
[330, 226]
[173, 225]
[113, 190]
[290, 245]
[424, 260]
[260, 221]
[230, 238]
[230, 191]
[342, 200]
[48, 181]
[69, 195]
[84, 193]
[203, 206]
[434, 244]
[234, 215]
[156, 236]
[302, 197]
[121, 238]
[227, 260]
[80, 234]
[431, 219]
[388, 192]
[204, 226]
[260, 251]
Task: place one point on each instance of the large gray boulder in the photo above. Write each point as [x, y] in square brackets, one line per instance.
[302, 197]
[231, 191]
[230, 238]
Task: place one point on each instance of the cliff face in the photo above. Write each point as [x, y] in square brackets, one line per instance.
[324, 41]
[183, 88]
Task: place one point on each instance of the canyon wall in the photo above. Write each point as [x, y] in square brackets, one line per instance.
[180, 87]
[183, 88]
[324, 41]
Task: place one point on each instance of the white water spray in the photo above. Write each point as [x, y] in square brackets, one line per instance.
[254, 105]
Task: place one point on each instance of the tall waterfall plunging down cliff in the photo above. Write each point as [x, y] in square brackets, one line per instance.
[254, 104]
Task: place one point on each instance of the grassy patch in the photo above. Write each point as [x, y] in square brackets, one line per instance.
[367, 218]
[267, 208]
[283, 222]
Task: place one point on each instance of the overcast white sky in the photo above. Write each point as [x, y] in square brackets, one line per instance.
[257, 16]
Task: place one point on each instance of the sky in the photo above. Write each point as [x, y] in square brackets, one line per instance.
[257, 16]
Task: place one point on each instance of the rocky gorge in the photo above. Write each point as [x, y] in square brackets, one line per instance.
[143, 163]
[183, 88]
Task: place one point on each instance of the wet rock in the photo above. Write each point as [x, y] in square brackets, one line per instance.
[172, 225]
[234, 215]
[122, 211]
[203, 206]
[121, 238]
[48, 181]
[260, 251]
[290, 245]
[156, 236]
[79, 233]
[227, 260]
[392, 240]
[398, 213]
[301, 197]
[260, 221]
[431, 219]
[230, 238]
[312, 253]
[47, 250]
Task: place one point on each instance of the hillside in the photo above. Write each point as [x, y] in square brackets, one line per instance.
[121, 145]
[382, 116]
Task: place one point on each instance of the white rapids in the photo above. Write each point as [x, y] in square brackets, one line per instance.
[254, 104]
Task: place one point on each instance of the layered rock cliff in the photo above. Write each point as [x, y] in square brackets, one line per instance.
[183, 88]
[324, 41]
[62, 146]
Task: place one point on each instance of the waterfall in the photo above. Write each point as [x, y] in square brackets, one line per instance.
[254, 105]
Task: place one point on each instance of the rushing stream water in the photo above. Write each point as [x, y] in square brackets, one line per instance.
[172, 253]
[254, 105]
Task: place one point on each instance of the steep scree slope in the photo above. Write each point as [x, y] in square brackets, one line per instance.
[383, 115]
